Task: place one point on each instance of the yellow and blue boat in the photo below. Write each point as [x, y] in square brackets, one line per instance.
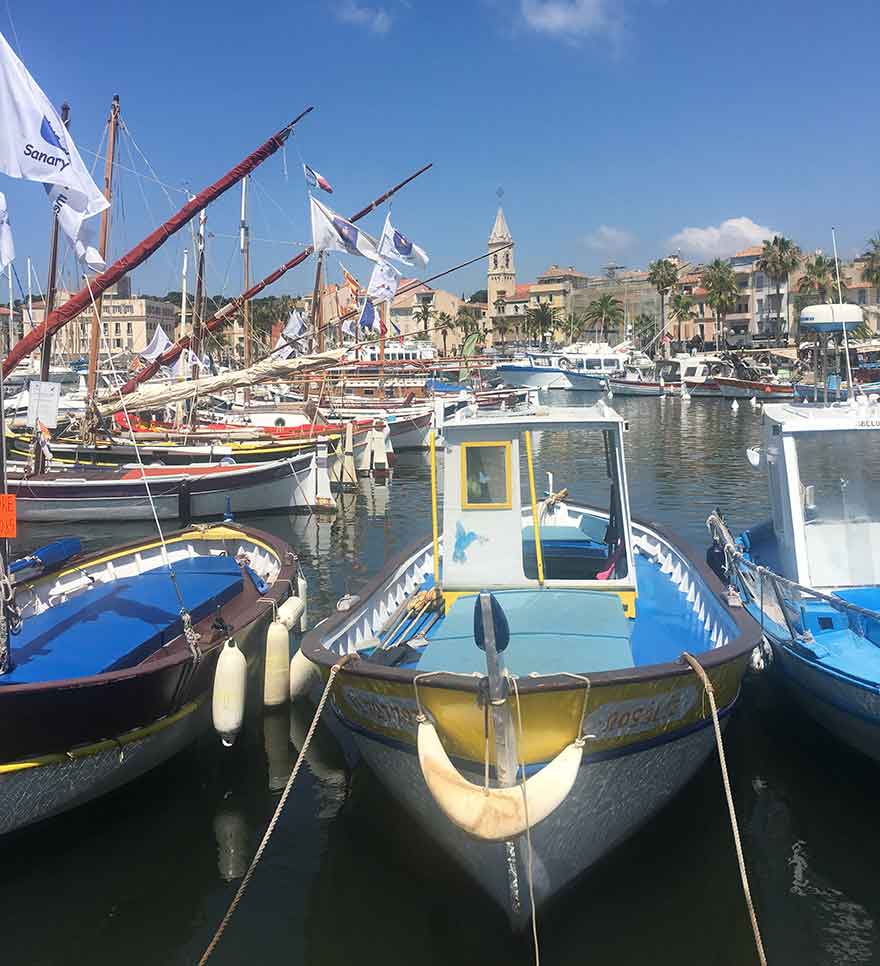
[517, 681]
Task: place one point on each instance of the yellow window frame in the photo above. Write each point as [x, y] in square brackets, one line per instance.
[467, 504]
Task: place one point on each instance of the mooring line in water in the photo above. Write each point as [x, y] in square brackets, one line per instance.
[700, 671]
[224, 922]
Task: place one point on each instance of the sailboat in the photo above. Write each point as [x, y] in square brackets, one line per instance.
[517, 681]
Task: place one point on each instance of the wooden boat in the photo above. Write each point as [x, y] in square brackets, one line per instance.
[198, 490]
[760, 389]
[810, 576]
[590, 700]
[113, 666]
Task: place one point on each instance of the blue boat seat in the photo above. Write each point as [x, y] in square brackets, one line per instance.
[117, 625]
[550, 631]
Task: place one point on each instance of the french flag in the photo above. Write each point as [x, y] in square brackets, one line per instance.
[317, 180]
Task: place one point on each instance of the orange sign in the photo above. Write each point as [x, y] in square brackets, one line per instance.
[7, 516]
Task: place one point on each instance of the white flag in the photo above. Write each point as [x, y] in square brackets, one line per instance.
[294, 328]
[157, 345]
[383, 282]
[7, 248]
[35, 146]
[331, 232]
[68, 207]
[394, 244]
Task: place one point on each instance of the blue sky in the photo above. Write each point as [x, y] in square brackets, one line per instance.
[618, 129]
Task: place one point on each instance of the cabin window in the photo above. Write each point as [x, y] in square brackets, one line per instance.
[840, 502]
[485, 475]
[690, 371]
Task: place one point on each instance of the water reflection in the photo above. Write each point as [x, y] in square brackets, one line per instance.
[349, 876]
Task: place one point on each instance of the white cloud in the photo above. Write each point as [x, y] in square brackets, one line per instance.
[725, 239]
[376, 19]
[608, 240]
[571, 19]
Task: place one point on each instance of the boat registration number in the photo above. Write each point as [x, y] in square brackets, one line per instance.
[617, 719]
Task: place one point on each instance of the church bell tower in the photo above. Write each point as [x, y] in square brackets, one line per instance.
[501, 272]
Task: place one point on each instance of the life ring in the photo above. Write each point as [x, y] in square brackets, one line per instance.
[564, 363]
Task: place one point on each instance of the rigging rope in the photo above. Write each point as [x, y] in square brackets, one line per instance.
[700, 671]
[270, 828]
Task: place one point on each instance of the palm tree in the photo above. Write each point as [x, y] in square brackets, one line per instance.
[681, 308]
[424, 313]
[779, 258]
[871, 256]
[466, 321]
[663, 275]
[819, 277]
[445, 323]
[722, 292]
[501, 326]
[574, 322]
[541, 319]
[603, 311]
[643, 327]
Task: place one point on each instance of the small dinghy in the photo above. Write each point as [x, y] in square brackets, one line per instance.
[810, 576]
[110, 666]
[518, 682]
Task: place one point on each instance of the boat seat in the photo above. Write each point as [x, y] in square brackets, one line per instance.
[550, 631]
[117, 625]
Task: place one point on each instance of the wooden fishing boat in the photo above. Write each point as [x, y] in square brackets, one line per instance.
[538, 644]
[760, 389]
[113, 665]
[194, 491]
[810, 576]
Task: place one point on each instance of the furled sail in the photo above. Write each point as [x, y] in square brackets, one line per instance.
[272, 367]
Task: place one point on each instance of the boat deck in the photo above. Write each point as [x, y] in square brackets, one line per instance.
[116, 625]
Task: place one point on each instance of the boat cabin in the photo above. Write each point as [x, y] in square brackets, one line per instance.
[823, 463]
[497, 531]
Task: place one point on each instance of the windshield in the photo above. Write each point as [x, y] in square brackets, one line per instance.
[841, 506]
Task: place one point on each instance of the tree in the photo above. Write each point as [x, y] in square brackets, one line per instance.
[644, 326]
[466, 321]
[820, 277]
[722, 292]
[423, 314]
[681, 308]
[574, 322]
[603, 312]
[540, 320]
[481, 295]
[871, 256]
[445, 323]
[778, 259]
[663, 275]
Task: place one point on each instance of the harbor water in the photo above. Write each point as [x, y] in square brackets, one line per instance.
[144, 875]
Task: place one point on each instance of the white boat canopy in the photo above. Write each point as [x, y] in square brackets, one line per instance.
[832, 317]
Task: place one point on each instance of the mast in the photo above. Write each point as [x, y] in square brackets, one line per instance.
[95, 334]
[50, 281]
[30, 297]
[244, 243]
[197, 298]
[228, 310]
[315, 320]
[183, 279]
[58, 318]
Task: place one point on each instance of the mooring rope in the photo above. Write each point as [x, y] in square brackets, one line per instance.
[224, 922]
[700, 671]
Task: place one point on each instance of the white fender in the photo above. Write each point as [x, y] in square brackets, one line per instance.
[302, 675]
[291, 611]
[276, 676]
[227, 700]
[498, 814]
[302, 590]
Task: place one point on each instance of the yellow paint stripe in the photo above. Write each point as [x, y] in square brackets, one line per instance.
[108, 744]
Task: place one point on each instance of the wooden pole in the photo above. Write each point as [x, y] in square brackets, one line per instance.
[95, 335]
[198, 297]
[315, 320]
[53, 275]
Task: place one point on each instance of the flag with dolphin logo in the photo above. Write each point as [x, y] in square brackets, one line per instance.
[394, 244]
[35, 146]
[332, 232]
